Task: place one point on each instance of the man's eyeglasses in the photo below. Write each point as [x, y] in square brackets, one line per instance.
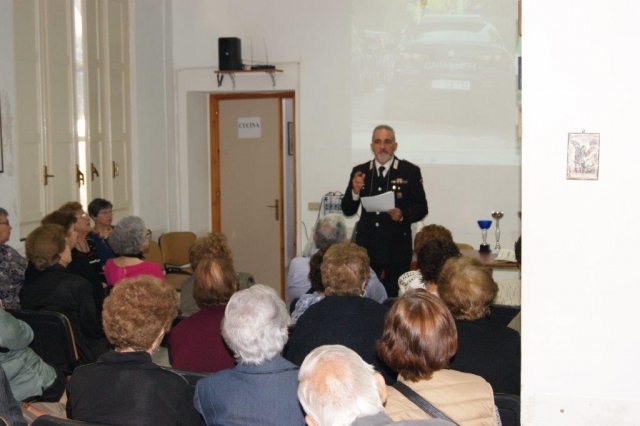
[5, 223]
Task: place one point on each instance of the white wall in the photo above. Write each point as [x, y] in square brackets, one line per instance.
[153, 129]
[580, 285]
[8, 179]
[317, 36]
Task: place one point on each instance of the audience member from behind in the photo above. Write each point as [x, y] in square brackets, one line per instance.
[129, 239]
[418, 341]
[29, 376]
[124, 387]
[426, 233]
[509, 289]
[101, 211]
[196, 343]
[343, 317]
[431, 257]
[261, 389]
[485, 348]
[12, 266]
[212, 245]
[52, 288]
[85, 247]
[79, 264]
[337, 388]
[315, 276]
[331, 229]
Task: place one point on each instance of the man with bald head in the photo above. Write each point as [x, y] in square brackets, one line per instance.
[386, 235]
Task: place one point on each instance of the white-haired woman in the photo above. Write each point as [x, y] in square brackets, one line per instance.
[255, 328]
[129, 239]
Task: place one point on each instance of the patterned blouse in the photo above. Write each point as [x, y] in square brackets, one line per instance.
[12, 267]
[303, 303]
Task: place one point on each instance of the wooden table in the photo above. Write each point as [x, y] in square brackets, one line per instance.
[488, 259]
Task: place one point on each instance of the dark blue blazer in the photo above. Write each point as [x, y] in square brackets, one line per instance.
[251, 395]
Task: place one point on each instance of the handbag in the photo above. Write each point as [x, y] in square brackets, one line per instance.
[425, 405]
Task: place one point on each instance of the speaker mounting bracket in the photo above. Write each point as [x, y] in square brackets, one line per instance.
[232, 75]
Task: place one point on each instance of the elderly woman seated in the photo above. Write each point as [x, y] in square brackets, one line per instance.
[485, 348]
[344, 316]
[431, 257]
[212, 245]
[79, 265]
[315, 277]
[124, 387]
[196, 343]
[419, 338]
[52, 288]
[262, 388]
[100, 210]
[12, 266]
[129, 239]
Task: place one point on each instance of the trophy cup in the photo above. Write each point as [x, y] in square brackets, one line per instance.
[484, 225]
[497, 216]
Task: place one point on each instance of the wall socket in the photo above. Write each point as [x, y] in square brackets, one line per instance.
[314, 206]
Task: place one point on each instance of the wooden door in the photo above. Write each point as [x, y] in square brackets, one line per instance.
[247, 188]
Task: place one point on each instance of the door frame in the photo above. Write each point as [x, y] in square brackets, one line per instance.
[214, 144]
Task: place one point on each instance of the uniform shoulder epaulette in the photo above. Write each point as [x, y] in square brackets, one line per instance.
[408, 162]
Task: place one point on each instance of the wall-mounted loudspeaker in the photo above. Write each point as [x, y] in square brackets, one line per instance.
[229, 53]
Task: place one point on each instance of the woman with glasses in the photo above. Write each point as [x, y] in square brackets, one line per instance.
[129, 239]
[101, 212]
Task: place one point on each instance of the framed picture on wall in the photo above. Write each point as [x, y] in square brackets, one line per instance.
[583, 156]
[290, 137]
[1, 156]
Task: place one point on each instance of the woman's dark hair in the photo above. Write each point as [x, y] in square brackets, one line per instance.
[315, 273]
[98, 204]
[57, 217]
[432, 256]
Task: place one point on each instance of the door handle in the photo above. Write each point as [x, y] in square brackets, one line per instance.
[116, 169]
[94, 172]
[79, 176]
[47, 176]
[277, 207]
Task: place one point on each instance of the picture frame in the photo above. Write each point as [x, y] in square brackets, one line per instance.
[583, 156]
[290, 136]
[1, 155]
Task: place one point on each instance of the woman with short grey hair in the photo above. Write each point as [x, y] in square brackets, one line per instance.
[129, 239]
[255, 328]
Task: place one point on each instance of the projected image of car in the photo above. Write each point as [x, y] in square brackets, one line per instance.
[449, 66]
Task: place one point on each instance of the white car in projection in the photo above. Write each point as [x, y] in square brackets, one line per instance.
[450, 67]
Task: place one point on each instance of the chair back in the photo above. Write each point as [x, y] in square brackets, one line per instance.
[154, 254]
[192, 377]
[175, 249]
[508, 407]
[175, 257]
[53, 338]
[49, 420]
[502, 314]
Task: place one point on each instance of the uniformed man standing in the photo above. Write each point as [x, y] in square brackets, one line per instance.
[386, 236]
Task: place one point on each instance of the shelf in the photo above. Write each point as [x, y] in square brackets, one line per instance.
[232, 74]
